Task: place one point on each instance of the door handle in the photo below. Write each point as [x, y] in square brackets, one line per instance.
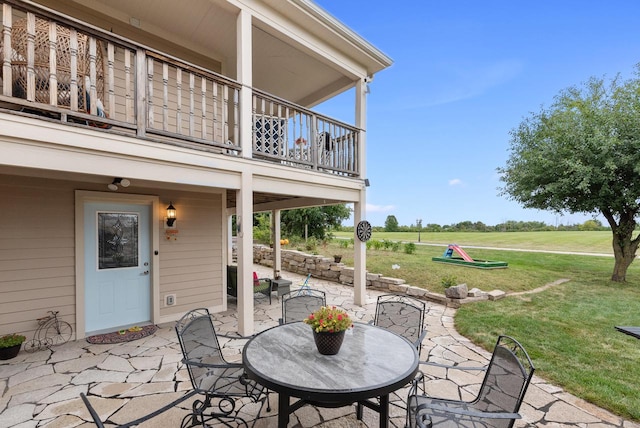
[146, 272]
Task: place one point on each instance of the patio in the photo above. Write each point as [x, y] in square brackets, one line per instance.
[131, 379]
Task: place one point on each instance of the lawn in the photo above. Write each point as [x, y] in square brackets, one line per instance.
[568, 329]
[585, 242]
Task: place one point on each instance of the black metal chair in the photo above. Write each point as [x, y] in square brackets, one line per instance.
[100, 424]
[299, 304]
[211, 375]
[497, 403]
[402, 315]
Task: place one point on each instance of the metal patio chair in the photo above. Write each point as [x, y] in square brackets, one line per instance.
[505, 383]
[402, 315]
[262, 286]
[100, 424]
[211, 375]
[296, 306]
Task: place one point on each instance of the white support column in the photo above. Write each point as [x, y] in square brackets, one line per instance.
[245, 77]
[359, 208]
[277, 248]
[244, 232]
[244, 204]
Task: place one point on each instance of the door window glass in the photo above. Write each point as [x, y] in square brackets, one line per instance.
[117, 240]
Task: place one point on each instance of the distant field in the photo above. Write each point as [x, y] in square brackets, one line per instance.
[583, 242]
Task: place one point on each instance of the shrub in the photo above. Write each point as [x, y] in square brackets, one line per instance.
[409, 248]
[396, 246]
[344, 243]
[448, 281]
[311, 244]
[387, 244]
[377, 245]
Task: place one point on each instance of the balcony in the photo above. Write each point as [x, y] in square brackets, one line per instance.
[60, 70]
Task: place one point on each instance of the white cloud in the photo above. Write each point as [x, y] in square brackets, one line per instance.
[371, 208]
[455, 182]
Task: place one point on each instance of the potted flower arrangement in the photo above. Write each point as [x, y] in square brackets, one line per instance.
[337, 258]
[329, 325]
[10, 345]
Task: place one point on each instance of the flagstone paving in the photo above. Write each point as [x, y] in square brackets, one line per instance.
[125, 381]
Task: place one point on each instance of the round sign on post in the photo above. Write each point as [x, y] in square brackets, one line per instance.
[363, 231]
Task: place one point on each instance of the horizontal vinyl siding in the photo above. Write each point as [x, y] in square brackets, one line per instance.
[36, 253]
[191, 265]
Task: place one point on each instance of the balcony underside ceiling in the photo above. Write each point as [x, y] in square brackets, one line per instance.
[262, 201]
[285, 63]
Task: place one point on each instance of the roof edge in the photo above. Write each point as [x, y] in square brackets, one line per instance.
[343, 30]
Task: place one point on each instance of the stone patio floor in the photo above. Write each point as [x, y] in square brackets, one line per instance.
[128, 380]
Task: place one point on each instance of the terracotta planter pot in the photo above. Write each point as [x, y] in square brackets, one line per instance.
[10, 352]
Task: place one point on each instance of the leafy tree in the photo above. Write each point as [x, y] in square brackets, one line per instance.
[583, 155]
[391, 224]
[316, 221]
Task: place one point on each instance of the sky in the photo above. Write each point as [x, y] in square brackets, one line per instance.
[465, 74]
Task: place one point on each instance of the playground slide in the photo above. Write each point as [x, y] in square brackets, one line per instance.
[462, 253]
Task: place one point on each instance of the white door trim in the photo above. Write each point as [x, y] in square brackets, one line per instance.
[82, 196]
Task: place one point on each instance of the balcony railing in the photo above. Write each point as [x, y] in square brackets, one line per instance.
[289, 134]
[63, 70]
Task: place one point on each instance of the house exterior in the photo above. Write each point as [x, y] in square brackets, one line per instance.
[114, 111]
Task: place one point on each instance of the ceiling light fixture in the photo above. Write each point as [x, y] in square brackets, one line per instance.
[124, 182]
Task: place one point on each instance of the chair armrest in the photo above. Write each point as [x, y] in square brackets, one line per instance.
[418, 342]
[465, 412]
[212, 366]
[446, 366]
[234, 336]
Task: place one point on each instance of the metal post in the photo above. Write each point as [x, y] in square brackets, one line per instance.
[419, 224]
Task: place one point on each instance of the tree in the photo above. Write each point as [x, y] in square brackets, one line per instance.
[391, 224]
[582, 155]
[314, 221]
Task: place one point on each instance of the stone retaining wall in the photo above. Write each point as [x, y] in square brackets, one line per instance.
[327, 269]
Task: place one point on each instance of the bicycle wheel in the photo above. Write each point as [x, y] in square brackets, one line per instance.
[58, 332]
[32, 345]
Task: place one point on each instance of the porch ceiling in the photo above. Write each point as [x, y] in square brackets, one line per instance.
[262, 201]
[284, 64]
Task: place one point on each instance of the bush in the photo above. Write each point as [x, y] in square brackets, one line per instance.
[387, 244]
[396, 246]
[409, 248]
[344, 243]
[449, 281]
[377, 245]
[311, 244]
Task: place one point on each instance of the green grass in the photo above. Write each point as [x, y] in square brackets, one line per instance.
[586, 242]
[568, 329]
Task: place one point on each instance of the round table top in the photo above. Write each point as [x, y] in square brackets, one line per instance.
[371, 362]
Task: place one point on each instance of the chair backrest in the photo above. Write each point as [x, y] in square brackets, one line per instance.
[256, 280]
[199, 343]
[402, 315]
[297, 306]
[506, 380]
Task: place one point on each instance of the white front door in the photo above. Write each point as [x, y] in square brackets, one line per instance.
[117, 265]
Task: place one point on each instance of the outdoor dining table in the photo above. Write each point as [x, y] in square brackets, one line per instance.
[372, 362]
